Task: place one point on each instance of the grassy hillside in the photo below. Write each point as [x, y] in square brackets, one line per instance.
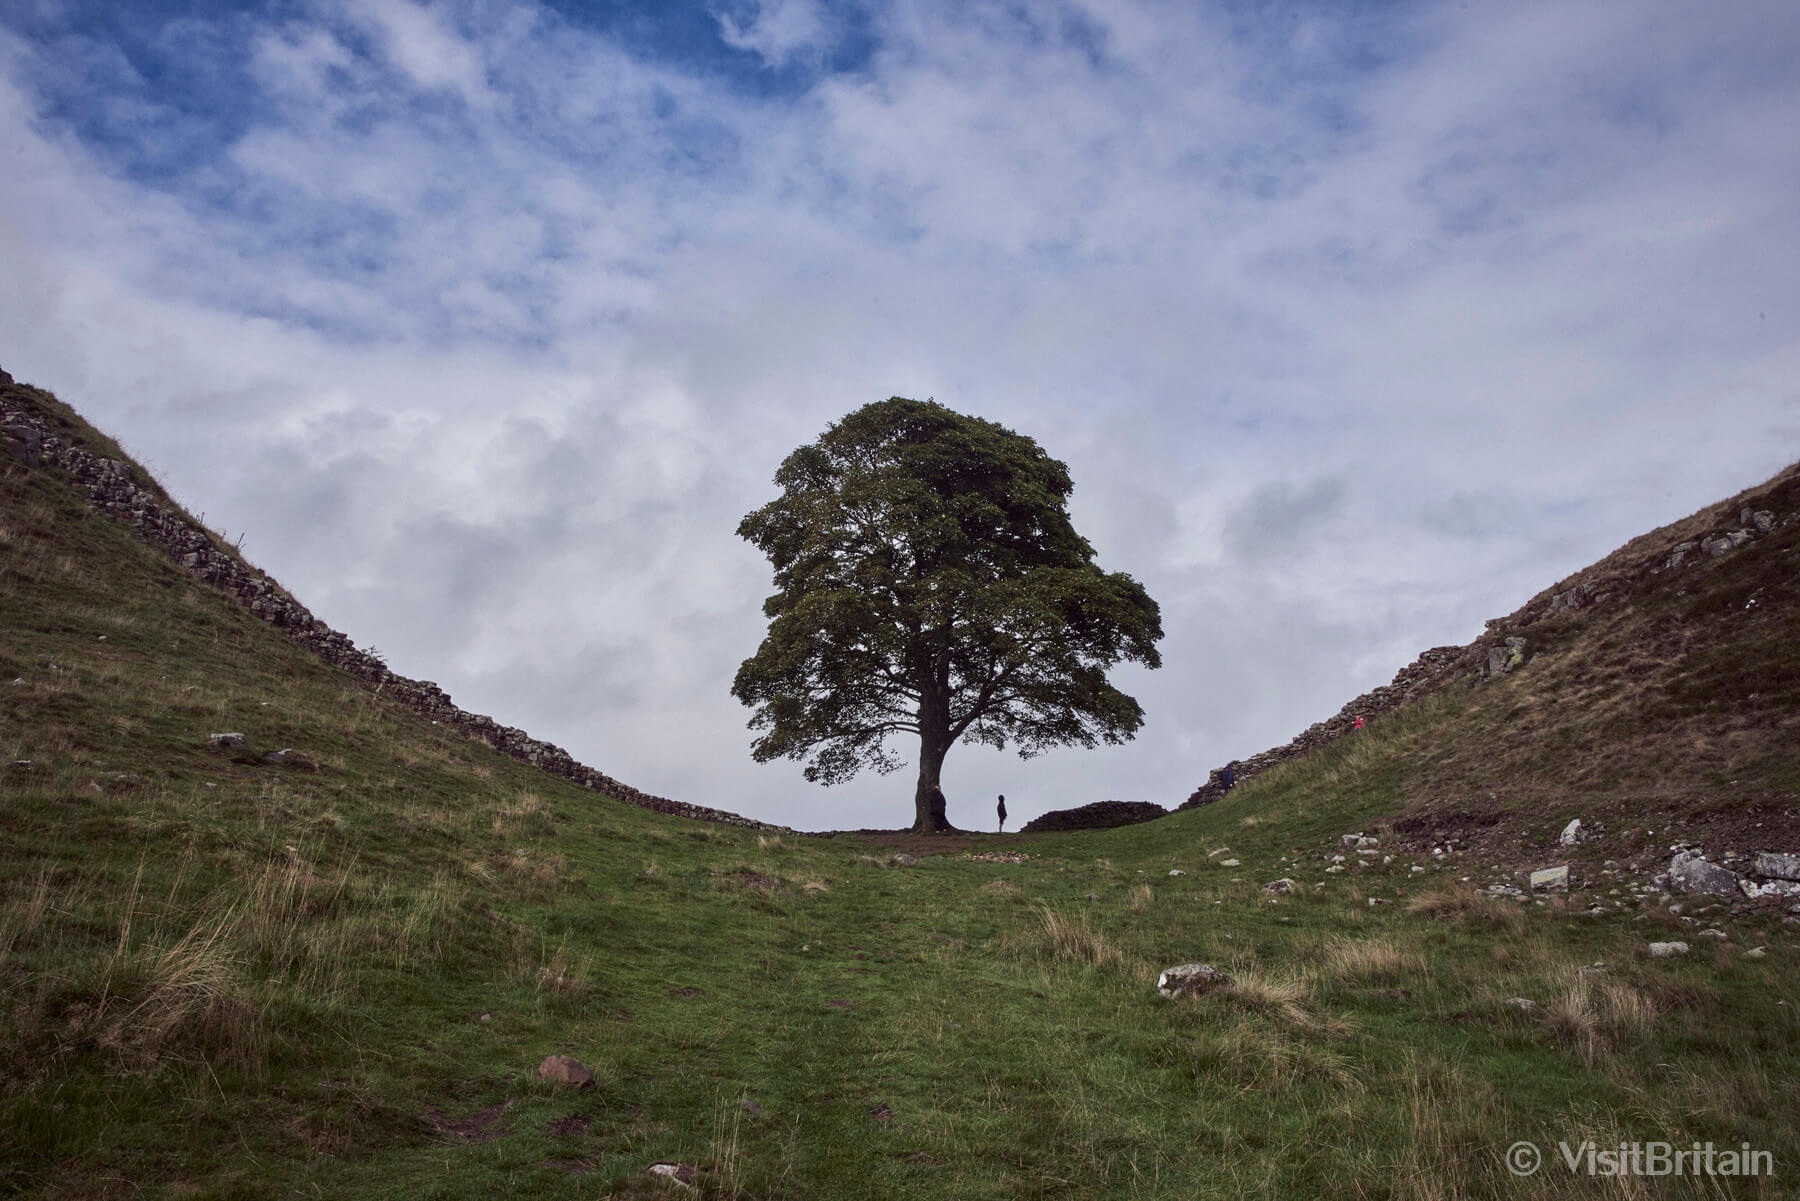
[336, 974]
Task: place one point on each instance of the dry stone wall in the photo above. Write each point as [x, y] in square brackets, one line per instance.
[113, 488]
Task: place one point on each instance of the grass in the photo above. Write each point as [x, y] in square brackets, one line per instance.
[336, 976]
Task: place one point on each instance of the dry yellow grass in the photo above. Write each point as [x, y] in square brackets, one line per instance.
[1369, 960]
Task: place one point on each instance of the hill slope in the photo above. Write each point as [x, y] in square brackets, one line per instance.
[1666, 674]
[335, 973]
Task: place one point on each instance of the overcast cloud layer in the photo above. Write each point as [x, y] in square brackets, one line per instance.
[484, 322]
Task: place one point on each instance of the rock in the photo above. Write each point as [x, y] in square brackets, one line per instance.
[1502, 659]
[1571, 833]
[1718, 934]
[1690, 872]
[23, 443]
[1757, 953]
[1175, 871]
[1762, 519]
[1195, 979]
[225, 740]
[1551, 879]
[1525, 1003]
[1680, 553]
[1229, 862]
[1777, 865]
[1779, 890]
[565, 1069]
[904, 860]
[1349, 841]
[679, 1173]
[1667, 950]
[1282, 886]
[750, 1107]
[1724, 544]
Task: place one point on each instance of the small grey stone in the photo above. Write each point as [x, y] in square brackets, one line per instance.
[1666, 950]
[1192, 978]
[905, 860]
[1525, 1003]
[1550, 879]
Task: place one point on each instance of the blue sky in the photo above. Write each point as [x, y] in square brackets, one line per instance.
[485, 320]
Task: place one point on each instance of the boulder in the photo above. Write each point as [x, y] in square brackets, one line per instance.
[1690, 872]
[1195, 979]
[1571, 833]
[904, 860]
[1777, 866]
[1551, 879]
[565, 1069]
[1667, 950]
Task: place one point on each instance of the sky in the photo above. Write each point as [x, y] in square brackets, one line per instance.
[484, 322]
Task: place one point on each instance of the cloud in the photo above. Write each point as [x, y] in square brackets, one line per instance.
[486, 326]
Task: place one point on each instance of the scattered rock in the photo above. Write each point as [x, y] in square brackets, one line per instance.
[1571, 833]
[1282, 886]
[1551, 879]
[1666, 950]
[223, 741]
[565, 1069]
[1195, 979]
[1690, 872]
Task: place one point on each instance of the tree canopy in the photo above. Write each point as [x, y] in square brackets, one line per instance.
[929, 582]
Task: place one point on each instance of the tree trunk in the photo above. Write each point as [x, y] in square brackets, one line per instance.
[934, 741]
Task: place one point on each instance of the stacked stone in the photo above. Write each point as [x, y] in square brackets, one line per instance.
[113, 490]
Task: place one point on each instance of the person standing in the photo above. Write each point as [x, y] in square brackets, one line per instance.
[1228, 776]
[1003, 813]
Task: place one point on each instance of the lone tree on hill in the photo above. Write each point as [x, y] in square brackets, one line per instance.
[930, 583]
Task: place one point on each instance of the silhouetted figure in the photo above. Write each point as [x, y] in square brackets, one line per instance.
[940, 819]
[1228, 777]
[1003, 813]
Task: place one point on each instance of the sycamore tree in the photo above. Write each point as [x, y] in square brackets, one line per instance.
[929, 583]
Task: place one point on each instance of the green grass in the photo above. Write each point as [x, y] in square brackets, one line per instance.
[221, 977]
